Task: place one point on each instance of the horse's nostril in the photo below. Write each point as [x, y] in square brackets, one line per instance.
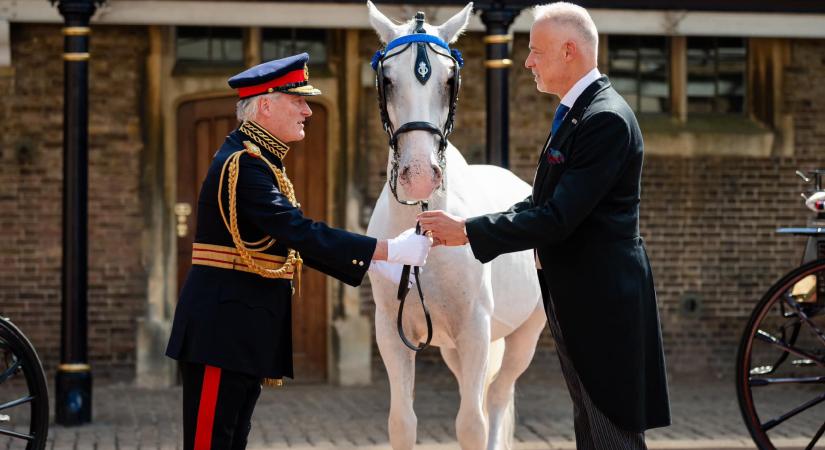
[436, 171]
[405, 172]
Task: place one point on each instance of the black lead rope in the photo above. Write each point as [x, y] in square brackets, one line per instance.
[403, 290]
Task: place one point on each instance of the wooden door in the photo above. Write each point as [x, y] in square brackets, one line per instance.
[202, 128]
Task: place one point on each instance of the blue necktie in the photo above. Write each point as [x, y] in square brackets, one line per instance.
[561, 111]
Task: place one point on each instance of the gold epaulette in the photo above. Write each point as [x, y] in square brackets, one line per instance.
[293, 262]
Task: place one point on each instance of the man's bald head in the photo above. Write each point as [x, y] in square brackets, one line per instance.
[574, 22]
[563, 47]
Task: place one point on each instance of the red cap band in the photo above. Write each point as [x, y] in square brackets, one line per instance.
[296, 76]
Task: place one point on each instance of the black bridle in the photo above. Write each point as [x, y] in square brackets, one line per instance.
[422, 70]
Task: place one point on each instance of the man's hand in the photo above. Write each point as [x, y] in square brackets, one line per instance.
[391, 272]
[408, 248]
[446, 229]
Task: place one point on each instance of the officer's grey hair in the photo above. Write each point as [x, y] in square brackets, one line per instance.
[247, 108]
[576, 18]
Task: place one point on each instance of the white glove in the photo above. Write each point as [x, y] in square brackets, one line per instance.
[391, 272]
[408, 248]
[816, 202]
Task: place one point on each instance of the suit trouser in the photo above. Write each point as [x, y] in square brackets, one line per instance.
[594, 431]
[217, 407]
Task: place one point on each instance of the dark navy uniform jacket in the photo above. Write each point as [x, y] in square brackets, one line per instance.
[583, 220]
[242, 321]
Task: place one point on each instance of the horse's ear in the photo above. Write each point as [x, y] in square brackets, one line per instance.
[385, 28]
[452, 28]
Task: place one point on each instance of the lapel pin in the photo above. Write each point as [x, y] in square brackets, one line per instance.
[575, 121]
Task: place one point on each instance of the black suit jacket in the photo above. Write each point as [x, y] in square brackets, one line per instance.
[583, 220]
[241, 321]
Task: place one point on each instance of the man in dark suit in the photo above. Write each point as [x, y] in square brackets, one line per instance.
[582, 220]
[233, 322]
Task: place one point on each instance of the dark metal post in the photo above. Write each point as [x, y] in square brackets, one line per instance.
[497, 18]
[73, 400]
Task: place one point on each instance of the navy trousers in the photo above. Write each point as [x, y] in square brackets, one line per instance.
[217, 407]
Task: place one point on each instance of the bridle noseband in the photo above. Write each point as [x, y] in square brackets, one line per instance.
[422, 70]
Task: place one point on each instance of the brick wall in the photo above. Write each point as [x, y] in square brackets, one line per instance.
[708, 221]
[31, 160]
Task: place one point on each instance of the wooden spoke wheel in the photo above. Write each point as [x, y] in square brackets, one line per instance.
[24, 400]
[780, 373]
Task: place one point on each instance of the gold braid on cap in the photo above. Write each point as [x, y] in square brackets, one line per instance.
[293, 263]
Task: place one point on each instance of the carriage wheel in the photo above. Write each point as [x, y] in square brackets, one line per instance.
[780, 367]
[24, 402]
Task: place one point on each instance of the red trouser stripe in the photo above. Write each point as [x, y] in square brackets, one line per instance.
[206, 408]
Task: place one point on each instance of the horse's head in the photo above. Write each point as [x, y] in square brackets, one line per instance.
[417, 76]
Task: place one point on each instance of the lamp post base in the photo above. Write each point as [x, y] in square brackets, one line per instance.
[73, 398]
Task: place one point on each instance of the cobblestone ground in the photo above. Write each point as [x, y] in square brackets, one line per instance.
[705, 415]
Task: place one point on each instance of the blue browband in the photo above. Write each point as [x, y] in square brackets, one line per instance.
[416, 37]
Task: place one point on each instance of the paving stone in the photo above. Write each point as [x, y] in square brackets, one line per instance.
[303, 416]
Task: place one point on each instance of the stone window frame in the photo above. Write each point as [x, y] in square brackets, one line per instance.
[252, 43]
[764, 129]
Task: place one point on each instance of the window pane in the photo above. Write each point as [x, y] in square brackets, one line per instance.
[192, 45]
[283, 42]
[653, 75]
[209, 44]
[716, 74]
[638, 67]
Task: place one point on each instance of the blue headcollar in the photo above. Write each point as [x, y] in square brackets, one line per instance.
[416, 37]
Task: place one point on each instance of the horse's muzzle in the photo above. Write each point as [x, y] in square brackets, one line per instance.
[420, 180]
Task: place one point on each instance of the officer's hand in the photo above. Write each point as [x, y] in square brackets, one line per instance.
[816, 202]
[408, 248]
[391, 272]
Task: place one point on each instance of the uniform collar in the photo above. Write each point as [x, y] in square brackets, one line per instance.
[570, 97]
[264, 138]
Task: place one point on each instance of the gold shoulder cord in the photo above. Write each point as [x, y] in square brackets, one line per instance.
[293, 261]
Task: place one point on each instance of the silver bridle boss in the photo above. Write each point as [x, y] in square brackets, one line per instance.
[422, 70]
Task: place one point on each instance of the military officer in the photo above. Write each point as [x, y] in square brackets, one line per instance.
[232, 327]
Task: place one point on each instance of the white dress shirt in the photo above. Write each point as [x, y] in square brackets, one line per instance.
[577, 89]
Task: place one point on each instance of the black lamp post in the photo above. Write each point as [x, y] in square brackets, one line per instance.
[73, 399]
[497, 17]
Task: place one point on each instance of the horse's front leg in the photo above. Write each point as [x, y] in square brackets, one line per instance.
[400, 364]
[520, 346]
[473, 346]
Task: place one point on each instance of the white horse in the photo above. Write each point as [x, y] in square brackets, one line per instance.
[487, 318]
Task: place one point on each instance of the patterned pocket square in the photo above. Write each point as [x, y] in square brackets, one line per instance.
[554, 157]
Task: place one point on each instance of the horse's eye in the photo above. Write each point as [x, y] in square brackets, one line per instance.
[387, 81]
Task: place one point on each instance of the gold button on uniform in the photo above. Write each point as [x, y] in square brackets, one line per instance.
[360, 263]
[355, 261]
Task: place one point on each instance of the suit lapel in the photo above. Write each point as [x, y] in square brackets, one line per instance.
[566, 129]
